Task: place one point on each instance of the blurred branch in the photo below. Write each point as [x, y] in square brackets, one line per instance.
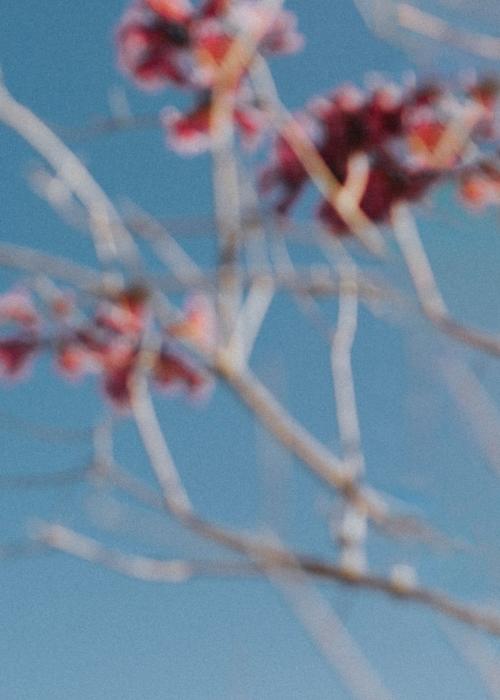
[429, 295]
[479, 655]
[330, 635]
[477, 407]
[429, 25]
[35, 261]
[111, 238]
[105, 126]
[340, 357]
[63, 477]
[66, 540]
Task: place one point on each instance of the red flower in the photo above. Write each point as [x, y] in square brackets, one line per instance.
[118, 370]
[163, 41]
[480, 187]
[214, 8]
[388, 183]
[126, 313]
[286, 173]
[73, 359]
[178, 11]
[399, 133]
[172, 372]
[154, 50]
[189, 133]
[16, 355]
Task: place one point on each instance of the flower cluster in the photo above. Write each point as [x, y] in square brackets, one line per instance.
[411, 139]
[18, 346]
[108, 342]
[162, 42]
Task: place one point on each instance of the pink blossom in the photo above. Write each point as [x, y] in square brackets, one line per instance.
[16, 306]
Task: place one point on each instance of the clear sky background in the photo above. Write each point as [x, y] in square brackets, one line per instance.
[74, 632]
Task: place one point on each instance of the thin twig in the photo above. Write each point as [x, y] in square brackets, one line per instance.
[67, 540]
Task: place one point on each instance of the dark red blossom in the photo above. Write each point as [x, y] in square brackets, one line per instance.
[172, 372]
[18, 349]
[388, 183]
[401, 134]
[119, 366]
[108, 341]
[189, 133]
[117, 388]
[110, 344]
[170, 41]
[16, 355]
[163, 42]
[153, 51]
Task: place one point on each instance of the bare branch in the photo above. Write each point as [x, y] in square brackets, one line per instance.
[63, 477]
[34, 261]
[429, 295]
[330, 635]
[343, 200]
[477, 407]
[111, 238]
[479, 655]
[341, 352]
[427, 24]
[144, 568]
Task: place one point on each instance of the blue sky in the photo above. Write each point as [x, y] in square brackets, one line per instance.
[72, 631]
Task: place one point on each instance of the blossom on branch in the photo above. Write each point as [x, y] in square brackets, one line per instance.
[168, 41]
[109, 342]
[412, 139]
[162, 42]
[18, 347]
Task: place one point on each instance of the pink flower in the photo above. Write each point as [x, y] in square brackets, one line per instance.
[74, 360]
[177, 11]
[198, 325]
[126, 313]
[480, 187]
[16, 306]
